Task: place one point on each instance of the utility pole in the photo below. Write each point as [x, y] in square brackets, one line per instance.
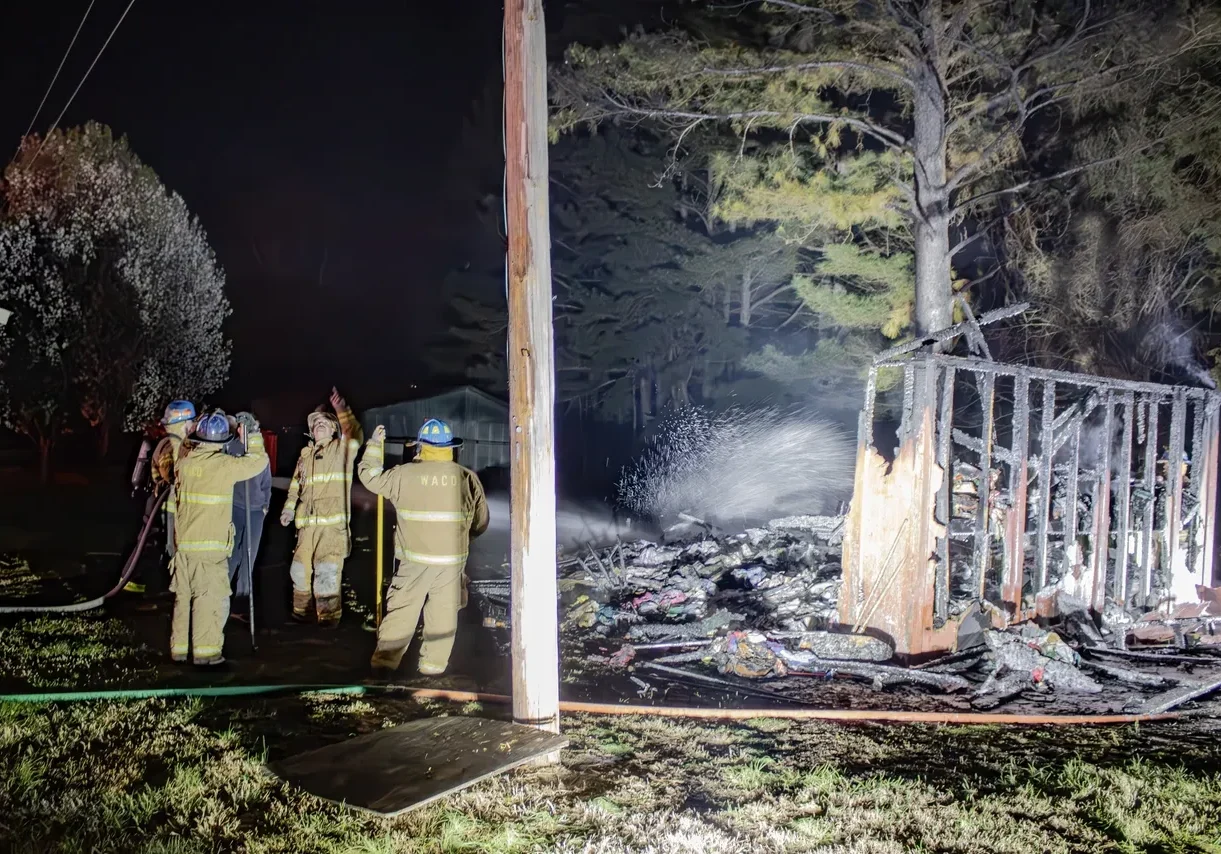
[531, 370]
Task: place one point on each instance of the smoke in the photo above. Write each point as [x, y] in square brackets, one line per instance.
[1173, 346]
[741, 467]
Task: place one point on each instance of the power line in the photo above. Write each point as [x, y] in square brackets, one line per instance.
[55, 124]
[47, 93]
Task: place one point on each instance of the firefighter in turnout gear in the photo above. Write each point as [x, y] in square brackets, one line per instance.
[178, 420]
[204, 536]
[320, 503]
[440, 506]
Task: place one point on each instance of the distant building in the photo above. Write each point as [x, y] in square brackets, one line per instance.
[480, 420]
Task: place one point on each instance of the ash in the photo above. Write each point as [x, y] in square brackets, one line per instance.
[741, 467]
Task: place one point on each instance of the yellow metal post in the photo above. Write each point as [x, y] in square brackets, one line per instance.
[381, 541]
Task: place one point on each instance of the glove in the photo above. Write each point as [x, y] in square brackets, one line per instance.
[286, 518]
[249, 422]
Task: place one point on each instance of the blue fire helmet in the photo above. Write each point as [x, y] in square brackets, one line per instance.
[437, 434]
[213, 428]
[179, 411]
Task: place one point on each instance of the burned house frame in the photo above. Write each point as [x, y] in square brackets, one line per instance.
[1061, 488]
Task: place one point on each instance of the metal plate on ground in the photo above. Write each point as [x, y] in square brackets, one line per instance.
[408, 766]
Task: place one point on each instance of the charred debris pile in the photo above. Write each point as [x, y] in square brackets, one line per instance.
[755, 614]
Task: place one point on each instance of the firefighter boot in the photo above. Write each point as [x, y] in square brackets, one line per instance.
[328, 592]
[303, 603]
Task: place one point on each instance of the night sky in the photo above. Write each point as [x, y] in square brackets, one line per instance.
[315, 141]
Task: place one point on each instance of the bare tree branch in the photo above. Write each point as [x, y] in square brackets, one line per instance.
[764, 300]
[891, 139]
[783, 4]
[848, 65]
[1033, 182]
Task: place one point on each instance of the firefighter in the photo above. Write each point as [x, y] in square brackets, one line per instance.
[178, 419]
[320, 503]
[204, 481]
[440, 507]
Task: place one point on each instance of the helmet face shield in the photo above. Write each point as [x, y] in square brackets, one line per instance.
[213, 428]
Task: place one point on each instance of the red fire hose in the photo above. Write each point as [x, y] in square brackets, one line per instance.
[859, 715]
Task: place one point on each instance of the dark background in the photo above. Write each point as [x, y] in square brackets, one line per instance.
[314, 142]
[335, 154]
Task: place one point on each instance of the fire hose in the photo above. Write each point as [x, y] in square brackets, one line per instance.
[614, 709]
[128, 569]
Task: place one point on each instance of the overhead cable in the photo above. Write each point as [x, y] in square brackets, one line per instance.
[64, 59]
[55, 124]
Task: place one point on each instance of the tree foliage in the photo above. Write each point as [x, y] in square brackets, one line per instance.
[117, 299]
[639, 289]
[902, 130]
[1122, 262]
[650, 307]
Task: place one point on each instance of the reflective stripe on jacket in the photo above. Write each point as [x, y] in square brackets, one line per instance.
[165, 457]
[320, 492]
[440, 506]
[205, 478]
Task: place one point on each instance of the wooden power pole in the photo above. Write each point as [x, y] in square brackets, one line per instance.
[531, 370]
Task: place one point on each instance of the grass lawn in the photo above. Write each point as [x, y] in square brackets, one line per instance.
[187, 776]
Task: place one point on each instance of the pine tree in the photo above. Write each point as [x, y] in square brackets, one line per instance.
[897, 127]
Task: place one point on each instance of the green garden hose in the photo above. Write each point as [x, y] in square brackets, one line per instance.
[151, 693]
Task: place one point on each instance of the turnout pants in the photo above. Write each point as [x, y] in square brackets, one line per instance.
[201, 606]
[437, 590]
[237, 560]
[317, 571]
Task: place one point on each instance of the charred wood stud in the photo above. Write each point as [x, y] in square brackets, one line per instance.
[1174, 488]
[1147, 568]
[909, 402]
[1069, 424]
[1123, 477]
[1069, 526]
[871, 394]
[952, 331]
[1000, 455]
[975, 337]
[1195, 471]
[1102, 510]
[1015, 530]
[1046, 438]
[983, 526]
[1208, 517]
[941, 579]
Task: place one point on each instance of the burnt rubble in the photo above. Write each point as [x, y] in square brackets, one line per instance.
[781, 578]
[1032, 523]
[760, 606]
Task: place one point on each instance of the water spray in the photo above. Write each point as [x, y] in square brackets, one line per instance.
[576, 526]
[741, 467]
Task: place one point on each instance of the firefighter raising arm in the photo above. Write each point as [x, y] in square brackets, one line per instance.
[348, 425]
[371, 470]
